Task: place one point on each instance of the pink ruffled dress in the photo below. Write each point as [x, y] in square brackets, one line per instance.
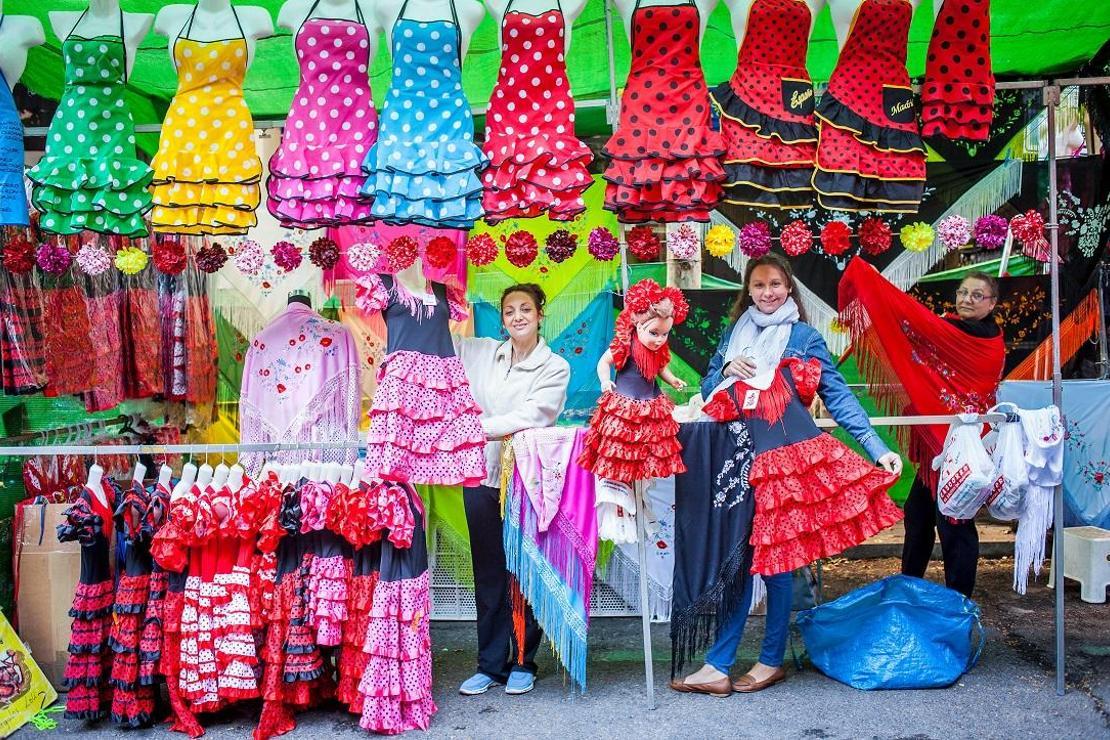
[424, 423]
[316, 172]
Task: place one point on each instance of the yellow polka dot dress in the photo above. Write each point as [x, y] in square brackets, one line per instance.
[207, 171]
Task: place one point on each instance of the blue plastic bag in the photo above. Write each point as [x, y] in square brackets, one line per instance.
[897, 633]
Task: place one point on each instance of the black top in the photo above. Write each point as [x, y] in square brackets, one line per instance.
[984, 328]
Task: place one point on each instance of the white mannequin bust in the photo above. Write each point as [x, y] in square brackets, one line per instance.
[844, 12]
[102, 19]
[470, 13]
[571, 10]
[294, 13]
[18, 33]
[214, 21]
[740, 11]
[627, 7]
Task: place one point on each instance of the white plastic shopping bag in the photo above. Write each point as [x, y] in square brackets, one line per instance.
[966, 470]
[1006, 500]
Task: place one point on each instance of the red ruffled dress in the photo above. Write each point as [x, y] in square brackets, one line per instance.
[537, 164]
[766, 110]
[664, 162]
[90, 661]
[957, 98]
[870, 156]
[330, 569]
[633, 435]
[151, 637]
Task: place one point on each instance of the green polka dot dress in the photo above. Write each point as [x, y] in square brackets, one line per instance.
[89, 177]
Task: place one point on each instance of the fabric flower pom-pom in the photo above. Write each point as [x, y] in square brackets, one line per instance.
[481, 250]
[875, 236]
[53, 259]
[440, 253]
[169, 256]
[19, 256]
[93, 259]
[954, 232]
[602, 244]
[683, 242]
[561, 245]
[797, 238]
[990, 232]
[1028, 227]
[287, 256]
[720, 240]
[363, 256]
[210, 258]
[401, 253]
[836, 238]
[323, 253]
[249, 257]
[643, 244]
[131, 260]
[755, 239]
[917, 237]
[521, 248]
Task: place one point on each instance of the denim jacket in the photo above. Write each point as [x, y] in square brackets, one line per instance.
[805, 343]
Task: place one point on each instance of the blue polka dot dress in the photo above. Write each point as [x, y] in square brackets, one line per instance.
[424, 167]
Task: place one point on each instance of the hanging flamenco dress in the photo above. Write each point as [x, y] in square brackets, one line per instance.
[664, 158]
[316, 172]
[424, 424]
[766, 110]
[957, 97]
[151, 635]
[870, 156]
[88, 667]
[207, 171]
[536, 163]
[90, 177]
[423, 169]
[13, 198]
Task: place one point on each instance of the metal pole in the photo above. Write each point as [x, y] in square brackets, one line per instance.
[1051, 100]
[612, 109]
[645, 611]
[1103, 345]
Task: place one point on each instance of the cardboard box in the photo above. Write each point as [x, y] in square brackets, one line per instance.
[48, 571]
[24, 691]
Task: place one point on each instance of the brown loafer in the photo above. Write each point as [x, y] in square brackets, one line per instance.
[748, 685]
[720, 688]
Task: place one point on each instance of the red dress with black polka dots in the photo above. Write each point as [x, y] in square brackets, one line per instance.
[664, 156]
[537, 164]
[870, 156]
[957, 99]
[767, 110]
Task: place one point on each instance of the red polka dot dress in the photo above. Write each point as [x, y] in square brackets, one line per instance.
[664, 158]
[537, 164]
[869, 155]
[957, 99]
[766, 110]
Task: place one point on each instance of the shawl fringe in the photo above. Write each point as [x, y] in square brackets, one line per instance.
[694, 627]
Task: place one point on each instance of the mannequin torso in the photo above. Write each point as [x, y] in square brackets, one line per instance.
[214, 20]
[740, 10]
[571, 10]
[628, 7]
[294, 13]
[844, 12]
[102, 18]
[18, 33]
[469, 12]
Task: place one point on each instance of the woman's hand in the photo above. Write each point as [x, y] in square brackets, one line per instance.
[741, 367]
[891, 463]
[678, 384]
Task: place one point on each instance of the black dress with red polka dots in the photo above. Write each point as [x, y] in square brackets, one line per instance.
[870, 156]
[664, 162]
[957, 99]
[766, 110]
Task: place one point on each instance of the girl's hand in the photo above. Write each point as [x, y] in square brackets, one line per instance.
[741, 367]
[607, 385]
[891, 463]
[678, 384]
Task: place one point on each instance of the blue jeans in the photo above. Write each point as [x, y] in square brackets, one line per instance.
[780, 597]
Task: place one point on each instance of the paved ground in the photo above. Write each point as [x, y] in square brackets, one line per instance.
[1009, 694]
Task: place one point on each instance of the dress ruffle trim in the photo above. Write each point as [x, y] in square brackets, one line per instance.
[631, 440]
[881, 137]
[530, 176]
[733, 106]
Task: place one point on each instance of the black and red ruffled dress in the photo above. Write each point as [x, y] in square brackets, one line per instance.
[664, 157]
[870, 156]
[766, 110]
[814, 496]
[957, 98]
[150, 637]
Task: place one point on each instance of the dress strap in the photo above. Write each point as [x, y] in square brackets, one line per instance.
[401, 13]
[358, 14]
[123, 43]
[187, 26]
[458, 32]
[78, 23]
[237, 23]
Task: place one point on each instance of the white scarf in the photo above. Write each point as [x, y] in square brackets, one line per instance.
[763, 338]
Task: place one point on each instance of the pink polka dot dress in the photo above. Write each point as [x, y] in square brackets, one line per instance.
[316, 172]
[537, 164]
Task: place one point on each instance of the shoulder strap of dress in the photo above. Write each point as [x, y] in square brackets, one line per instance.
[187, 26]
[401, 14]
[458, 33]
[123, 43]
[78, 23]
[235, 13]
[507, 9]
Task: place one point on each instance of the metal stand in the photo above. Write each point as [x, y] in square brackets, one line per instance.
[640, 491]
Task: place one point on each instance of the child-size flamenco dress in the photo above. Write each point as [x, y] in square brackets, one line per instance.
[151, 635]
[957, 96]
[870, 156]
[766, 110]
[207, 171]
[536, 163]
[423, 169]
[316, 173]
[90, 176]
[664, 157]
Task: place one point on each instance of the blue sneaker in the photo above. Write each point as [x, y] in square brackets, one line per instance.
[520, 682]
[477, 684]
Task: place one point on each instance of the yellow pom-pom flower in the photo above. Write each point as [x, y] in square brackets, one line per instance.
[720, 240]
[917, 237]
[131, 260]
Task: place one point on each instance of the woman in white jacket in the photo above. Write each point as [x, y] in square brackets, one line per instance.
[520, 384]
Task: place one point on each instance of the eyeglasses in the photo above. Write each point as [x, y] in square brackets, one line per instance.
[976, 296]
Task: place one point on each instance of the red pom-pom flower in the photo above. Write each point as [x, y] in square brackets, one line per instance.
[481, 250]
[836, 238]
[521, 248]
[211, 258]
[169, 256]
[19, 256]
[561, 245]
[643, 244]
[401, 253]
[324, 253]
[287, 256]
[875, 237]
[440, 253]
[797, 238]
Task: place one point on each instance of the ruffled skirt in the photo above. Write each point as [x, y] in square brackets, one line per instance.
[107, 194]
[532, 175]
[90, 660]
[132, 702]
[314, 188]
[631, 440]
